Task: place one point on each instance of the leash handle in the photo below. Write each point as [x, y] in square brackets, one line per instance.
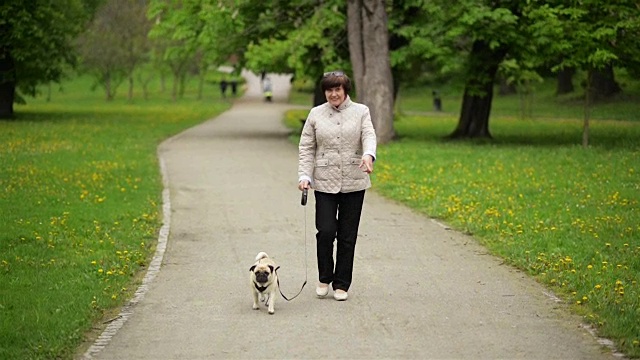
[303, 201]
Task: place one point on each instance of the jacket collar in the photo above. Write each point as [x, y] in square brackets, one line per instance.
[345, 104]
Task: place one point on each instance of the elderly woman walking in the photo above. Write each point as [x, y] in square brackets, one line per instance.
[336, 154]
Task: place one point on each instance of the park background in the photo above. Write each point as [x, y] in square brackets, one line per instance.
[534, 150]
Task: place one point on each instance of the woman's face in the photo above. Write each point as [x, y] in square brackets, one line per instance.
[335, 96]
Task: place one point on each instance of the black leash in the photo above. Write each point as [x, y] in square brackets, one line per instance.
[303, 202]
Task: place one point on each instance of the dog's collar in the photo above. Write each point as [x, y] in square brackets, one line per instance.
[259, 288]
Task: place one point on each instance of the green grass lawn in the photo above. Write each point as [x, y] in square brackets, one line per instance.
[568, 216]
[80, 194]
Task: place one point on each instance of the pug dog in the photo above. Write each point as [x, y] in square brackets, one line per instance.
[264, 281]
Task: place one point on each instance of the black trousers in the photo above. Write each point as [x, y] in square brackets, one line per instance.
[337, 218]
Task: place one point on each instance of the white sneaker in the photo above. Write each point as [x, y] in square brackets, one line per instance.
[322, 291]
[340, 295]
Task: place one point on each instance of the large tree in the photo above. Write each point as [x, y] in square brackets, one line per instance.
[467, 41]
[493, 29]
[115, 44]
[36, 44]
[369, 50]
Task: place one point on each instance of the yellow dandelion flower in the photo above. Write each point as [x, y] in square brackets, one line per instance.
[94, 262]
[589, 266]
[598, 286]
[100, 271]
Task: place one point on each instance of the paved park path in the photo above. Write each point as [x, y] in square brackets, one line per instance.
[420, 291]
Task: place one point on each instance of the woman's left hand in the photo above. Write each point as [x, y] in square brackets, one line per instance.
[367, 164]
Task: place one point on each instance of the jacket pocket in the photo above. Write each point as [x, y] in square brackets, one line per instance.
[322, 169]
[354, 170]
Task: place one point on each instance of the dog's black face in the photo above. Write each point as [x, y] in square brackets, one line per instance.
[262, 274]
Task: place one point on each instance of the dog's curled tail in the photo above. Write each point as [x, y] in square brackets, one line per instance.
[261, 255]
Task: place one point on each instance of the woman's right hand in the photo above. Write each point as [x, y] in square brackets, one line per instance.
[304, 184]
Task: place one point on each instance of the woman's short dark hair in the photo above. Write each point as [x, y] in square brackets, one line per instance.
[334, 79]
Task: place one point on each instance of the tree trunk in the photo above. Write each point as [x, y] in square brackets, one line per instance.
[369, 49]
[130, 94]
[7, 85]
[565, 81]
[478, 93]
[107, 87]
[356, 50]
[603, 83]
[474, 118]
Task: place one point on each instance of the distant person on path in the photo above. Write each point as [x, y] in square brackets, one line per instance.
[267, 89]
[234, 87]
[335, 157]
[223, 88]
[437, 101]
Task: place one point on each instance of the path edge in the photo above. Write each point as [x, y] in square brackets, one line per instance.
[154, 267]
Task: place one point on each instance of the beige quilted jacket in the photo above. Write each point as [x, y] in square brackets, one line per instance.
[332, 144]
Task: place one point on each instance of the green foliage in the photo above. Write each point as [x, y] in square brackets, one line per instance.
[193, 35]
[178, 26]
[592, 34]
[306, 38]
[37, 36]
